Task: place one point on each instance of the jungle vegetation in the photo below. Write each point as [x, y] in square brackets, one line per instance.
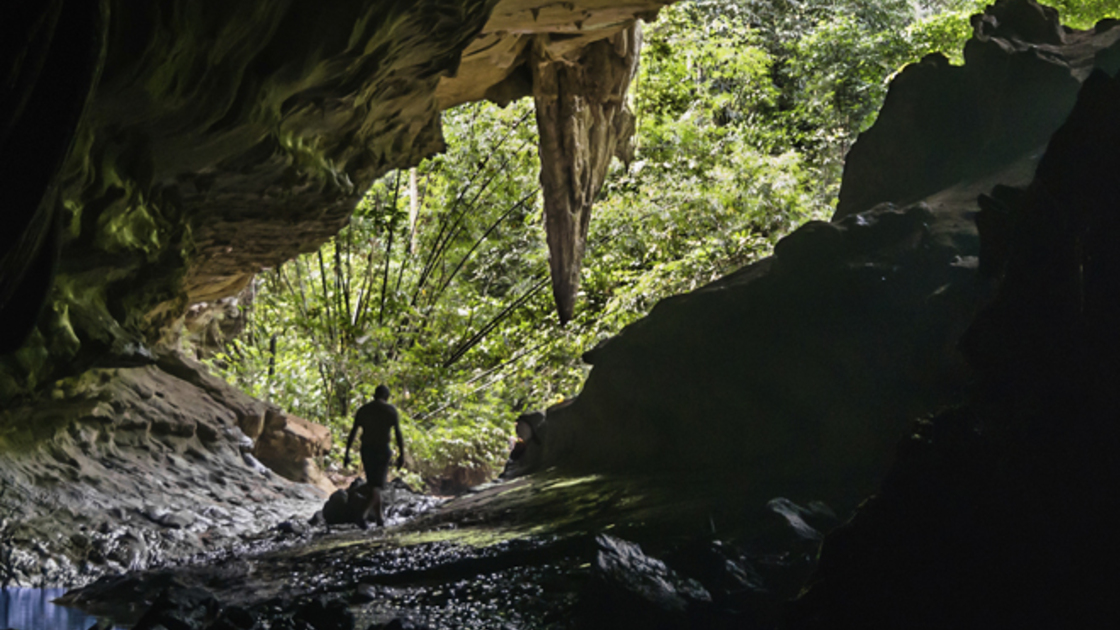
[439, 286]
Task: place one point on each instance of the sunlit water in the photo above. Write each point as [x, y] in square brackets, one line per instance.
[31, 609]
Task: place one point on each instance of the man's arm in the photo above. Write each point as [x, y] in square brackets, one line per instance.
[349, 443]
[400, 440]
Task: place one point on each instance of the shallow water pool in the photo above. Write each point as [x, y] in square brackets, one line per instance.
[32, 609]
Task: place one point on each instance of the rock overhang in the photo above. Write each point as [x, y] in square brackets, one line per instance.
[493, 66]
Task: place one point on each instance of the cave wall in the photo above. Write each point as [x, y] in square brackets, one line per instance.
[997, 513]
[221, 138]
[51, 59]
[120, 469]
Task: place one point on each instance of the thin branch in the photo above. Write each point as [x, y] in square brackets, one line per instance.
[328, 321]
[497, 368]
[485, 330]
[389, 248]
[360, 312]
[349, 268]
[442, 247]
[443, 237]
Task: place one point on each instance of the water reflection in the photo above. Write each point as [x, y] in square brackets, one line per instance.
[31, 609]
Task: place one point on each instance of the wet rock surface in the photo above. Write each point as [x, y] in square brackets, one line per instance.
[346, 506]
[629, 587]
[673, 551]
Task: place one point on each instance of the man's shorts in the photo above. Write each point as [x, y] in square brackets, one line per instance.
[376, 462]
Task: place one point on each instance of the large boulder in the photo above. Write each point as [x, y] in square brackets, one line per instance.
[291, 446]
[631, 589]
[798, 372]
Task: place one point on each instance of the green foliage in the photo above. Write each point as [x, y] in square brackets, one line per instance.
[1083, 14]
[745, 110]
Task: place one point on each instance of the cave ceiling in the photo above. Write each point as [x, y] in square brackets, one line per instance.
[201, 142]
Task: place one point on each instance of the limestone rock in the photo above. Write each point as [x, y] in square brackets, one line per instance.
[143, 465]
[289, 445]
[401, 503]
[802, 371]
[631, 589]
[495, 65]
[993, 514]
[210, 326]
[41, 104]
[459, 478]
[347, 506]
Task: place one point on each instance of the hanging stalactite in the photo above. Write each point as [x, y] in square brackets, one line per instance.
[583, 122]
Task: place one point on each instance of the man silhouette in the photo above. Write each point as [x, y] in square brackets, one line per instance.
[375, 419]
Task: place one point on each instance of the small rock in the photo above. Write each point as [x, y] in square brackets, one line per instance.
[631, 589]
[334, 511]
[397, 624]
[178, 520]
[324, 614]
[807, 522]
[364, 593]
[179, 608]
[235, 618]
[253, 463]
[292, 526]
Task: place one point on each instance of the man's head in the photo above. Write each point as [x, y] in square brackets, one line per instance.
[381, 393]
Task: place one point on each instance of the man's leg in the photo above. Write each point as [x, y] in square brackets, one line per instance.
[374, 498]
[377, 504]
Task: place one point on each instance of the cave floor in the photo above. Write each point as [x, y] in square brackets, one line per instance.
[520, 553]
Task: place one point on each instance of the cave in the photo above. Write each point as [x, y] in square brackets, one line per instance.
[905, 416]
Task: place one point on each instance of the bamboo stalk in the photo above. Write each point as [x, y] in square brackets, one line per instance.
[485, 330]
